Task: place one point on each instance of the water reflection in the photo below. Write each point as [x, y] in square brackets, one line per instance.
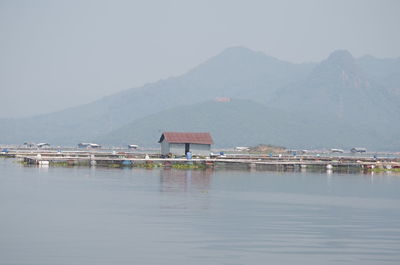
[176, 180]
[126, 216]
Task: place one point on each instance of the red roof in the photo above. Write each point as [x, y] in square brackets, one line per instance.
[186, 138]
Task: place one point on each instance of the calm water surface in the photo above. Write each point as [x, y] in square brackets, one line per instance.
[137, 216]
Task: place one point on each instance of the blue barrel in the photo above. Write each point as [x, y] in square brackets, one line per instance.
[127, 163]
[189, 155]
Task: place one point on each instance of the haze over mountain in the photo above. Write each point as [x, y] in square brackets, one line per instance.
[240, 122]
[338, 89]
[385, 72]
[340, 102]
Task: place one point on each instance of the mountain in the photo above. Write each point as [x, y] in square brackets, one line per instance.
[236, 72]
[242, 73]
[340, 102]
[240, 122]
[338, 90]
[383, 71]
[336, 87]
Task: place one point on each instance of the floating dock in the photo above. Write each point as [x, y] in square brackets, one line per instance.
[262, 162]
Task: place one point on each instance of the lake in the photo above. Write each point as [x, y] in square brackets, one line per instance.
[83, 215]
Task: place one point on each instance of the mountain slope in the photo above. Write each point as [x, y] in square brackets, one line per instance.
[236, 72]
[334, 103]
[383, 71]
[338, 91]
[241, 122]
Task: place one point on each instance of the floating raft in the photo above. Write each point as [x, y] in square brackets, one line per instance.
[240, 161]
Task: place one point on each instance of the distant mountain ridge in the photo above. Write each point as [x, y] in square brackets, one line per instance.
[336, 86]
[242, 122]
[341, 91]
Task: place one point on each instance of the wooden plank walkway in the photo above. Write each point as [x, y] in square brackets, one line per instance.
[108, 159]
[123, 158]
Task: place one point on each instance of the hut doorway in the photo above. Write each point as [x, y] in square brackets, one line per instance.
[187, 148]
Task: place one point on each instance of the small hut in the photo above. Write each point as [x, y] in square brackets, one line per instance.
[180, 143]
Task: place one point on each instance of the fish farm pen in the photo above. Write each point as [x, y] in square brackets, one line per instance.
[233, 161]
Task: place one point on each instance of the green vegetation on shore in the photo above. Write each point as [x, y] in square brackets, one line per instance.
[377, 170]
[266, 149]
[147, 165]
[188, 166]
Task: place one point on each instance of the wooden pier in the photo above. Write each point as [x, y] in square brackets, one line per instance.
[262, 162]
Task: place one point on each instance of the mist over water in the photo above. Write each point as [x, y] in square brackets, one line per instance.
[166, 216]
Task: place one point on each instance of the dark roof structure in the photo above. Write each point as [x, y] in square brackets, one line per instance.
[186, 137]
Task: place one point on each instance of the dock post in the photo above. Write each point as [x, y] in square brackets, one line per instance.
[92, 160]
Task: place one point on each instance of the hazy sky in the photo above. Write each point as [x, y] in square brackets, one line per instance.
[57, 54]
